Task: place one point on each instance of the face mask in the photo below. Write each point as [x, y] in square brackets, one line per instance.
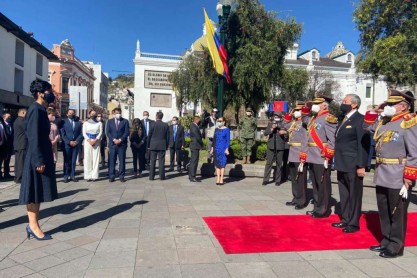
[145, 117]
[297, 114]
[249, 114]
[174, 122]
[277, 119]
[345, 108]
[51, 118]
[98, 118]
[71, 117]
[9, 120]
[219, 124]
[49, 97]
[117, 116]
[389, 111]
[315, 108]
[94, 118]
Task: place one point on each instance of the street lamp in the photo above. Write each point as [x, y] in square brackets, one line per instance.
[223, 11]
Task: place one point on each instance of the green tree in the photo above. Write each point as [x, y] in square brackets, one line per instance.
[388, 39]
[293, 85]
[257, 43]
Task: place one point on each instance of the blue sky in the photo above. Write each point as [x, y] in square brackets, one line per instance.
[106, 31]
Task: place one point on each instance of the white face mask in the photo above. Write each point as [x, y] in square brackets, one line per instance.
[219, 124]
[315, 108]
[389, 111]
[117, 116]
[248, 114]
[174, 122]
[98, 119]
[145, 117]
[277, 119]
[297, 114]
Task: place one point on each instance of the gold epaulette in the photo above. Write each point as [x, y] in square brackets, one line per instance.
[331, 119]
[410, 120]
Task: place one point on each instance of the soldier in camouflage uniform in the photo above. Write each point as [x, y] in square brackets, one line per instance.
[395, 135]
[247, 127]
[297, 140]
[320, 149]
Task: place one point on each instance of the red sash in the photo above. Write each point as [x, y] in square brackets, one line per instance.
[317, 139]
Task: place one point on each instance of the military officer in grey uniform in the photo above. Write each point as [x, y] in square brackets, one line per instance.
[247, 127]
[276, 133]
[395, 135]
[320, 149]
[297, 140]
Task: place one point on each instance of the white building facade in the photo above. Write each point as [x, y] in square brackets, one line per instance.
[153, 91]
[340, 64]
[101, 84]
[22, 60]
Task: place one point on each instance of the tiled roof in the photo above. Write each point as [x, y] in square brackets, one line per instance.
[323, 62]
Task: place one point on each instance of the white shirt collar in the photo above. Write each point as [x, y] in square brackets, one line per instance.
[351, 113]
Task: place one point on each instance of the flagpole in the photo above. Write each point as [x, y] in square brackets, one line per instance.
[223, 14]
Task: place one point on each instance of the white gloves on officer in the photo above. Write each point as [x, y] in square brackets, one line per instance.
[326, 164]
[301, 167]
[404, 192]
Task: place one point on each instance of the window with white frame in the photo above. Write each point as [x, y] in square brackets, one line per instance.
[18, 81]
[349, 58]
[39, 64]
[19, 58]
[314, 55]
[368, 91]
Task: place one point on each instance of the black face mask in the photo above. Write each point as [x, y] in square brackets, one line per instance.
[345, 108]
[94, 118]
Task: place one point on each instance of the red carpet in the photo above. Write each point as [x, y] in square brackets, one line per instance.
[287, 233]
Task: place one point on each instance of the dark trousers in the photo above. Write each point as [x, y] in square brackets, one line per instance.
[299, 185]
[6, 164]
[322, 189]
[285, 171]
[117, 151]
[103, 153]
[19, 160]
[174, 156]
[138, 156]
[70, 159]
[195, 156]
[393, 227]
[161, 164]
[351, 191]
[271, 157]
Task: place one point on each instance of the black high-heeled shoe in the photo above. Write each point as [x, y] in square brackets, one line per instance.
[29, 233]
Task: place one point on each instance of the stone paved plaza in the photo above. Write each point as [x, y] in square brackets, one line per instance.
[145, 228]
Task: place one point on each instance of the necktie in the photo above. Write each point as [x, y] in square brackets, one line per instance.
[147, 128]
[175, 132]
[117, 124]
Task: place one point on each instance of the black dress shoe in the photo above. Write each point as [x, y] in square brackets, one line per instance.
[111, 180]
[171, 169]
[195, 180]
[292, 203]
[277, 184]
[298, 207]
[162, 179]
[389, 254]
[66, 180]
[339, 225]
[350, 230]
[122, 180]
[309, 212]
[318, 215]
[377, 248]
[264, 183]
[74, 179]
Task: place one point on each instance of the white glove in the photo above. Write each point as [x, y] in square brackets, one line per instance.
[404, 192]
[300, 167]
[326, 164]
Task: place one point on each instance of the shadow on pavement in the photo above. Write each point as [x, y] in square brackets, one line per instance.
[48, 212]
[96, 217]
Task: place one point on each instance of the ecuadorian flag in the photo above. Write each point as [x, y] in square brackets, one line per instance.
[217, 51]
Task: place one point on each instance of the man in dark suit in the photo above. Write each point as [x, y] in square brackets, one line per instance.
[176, 143]
[7, 145]
[147, 125]
[157, 145]
[19, 144]
[276, 145]
[196, 145]
[351, 155]
[72, 138]
[103, 142]
[117, 131]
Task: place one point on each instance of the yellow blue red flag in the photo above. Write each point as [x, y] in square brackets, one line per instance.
[217, 51]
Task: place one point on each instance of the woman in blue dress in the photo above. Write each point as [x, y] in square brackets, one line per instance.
[220, 149]
[38, 181]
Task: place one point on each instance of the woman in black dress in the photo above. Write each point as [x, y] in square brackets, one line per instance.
[137, 143]
[38, 181]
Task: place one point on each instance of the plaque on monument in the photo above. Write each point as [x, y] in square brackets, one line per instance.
[157, 80]
[161, 100]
